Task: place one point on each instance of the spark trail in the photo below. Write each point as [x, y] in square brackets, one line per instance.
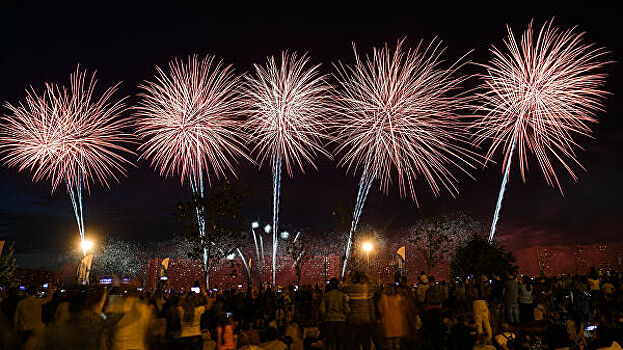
[286, 103]
[188, 118]
[276, 197]
[67, 134]
[498, 206]
[367, 178]
[397, 117]
[76, 203]
[537, 94]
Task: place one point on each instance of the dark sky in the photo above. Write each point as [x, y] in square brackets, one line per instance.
[44, 43]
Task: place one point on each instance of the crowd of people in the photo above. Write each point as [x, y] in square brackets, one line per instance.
[478, 312]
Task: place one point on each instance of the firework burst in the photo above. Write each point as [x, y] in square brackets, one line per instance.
[68, 135]
[286, 102]
[537, 95]
[189, 121]
[397, 118]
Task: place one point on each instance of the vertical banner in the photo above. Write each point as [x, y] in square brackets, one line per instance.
[162, 274]
[164, 266]
[1, 246]
[400, 271]
[85, 268]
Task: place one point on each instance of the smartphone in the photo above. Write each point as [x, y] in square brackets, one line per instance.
[590, 332]
[228, 315]
[195, 289]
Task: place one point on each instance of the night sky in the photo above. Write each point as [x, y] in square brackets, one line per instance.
[45, 43]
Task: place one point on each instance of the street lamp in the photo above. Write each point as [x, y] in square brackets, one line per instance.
[255, 224]
[285, 235]
[86, 245]
[267, 228]
[367, 247]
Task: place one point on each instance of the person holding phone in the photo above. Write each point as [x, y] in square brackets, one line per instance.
[225, 333]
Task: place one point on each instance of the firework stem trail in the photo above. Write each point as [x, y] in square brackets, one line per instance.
[367, 178]
[68, 134]
[262, 251]
[276, 195]
[498, 206]
[76, 202]
[197, 188]
[539, 91]
[246, 266]
[286, 103]
[257, 249]
[188, 119]
[398, 118]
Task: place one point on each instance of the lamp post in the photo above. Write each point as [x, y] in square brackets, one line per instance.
[255, 225]
[84, 268]
[367, 247]
[86, 245]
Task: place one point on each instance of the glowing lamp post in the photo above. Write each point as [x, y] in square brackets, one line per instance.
[84, 268]
[367, 247]
[86, 245]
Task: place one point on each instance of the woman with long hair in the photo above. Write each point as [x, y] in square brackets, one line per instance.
[190, 310]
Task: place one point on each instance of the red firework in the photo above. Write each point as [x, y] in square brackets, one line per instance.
[189, 119]
[397, 117]
[540, 92]
[67, 134]
[287, 104]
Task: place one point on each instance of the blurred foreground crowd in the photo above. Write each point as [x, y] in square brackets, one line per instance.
[478, 312]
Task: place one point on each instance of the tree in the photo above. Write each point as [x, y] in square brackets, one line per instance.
[435, 238]
[7, 265]
[479, 256]
[298, 248]
[219, 210]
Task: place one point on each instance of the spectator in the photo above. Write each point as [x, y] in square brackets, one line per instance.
[190, 312]
[526, 308]
[131, 330]
[511, 291]
[362, 312]
[481, 315]
[27, 320]
[393, 315]
[334, 308]
[272, 341]
[84, 328]
[225, 333]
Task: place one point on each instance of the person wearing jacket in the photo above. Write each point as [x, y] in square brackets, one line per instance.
[361, 302]
[393, 308]
[526, 309]
[334, 309]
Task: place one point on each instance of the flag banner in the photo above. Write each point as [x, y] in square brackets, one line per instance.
[1, 246]
[402, 252]
[164, 266]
